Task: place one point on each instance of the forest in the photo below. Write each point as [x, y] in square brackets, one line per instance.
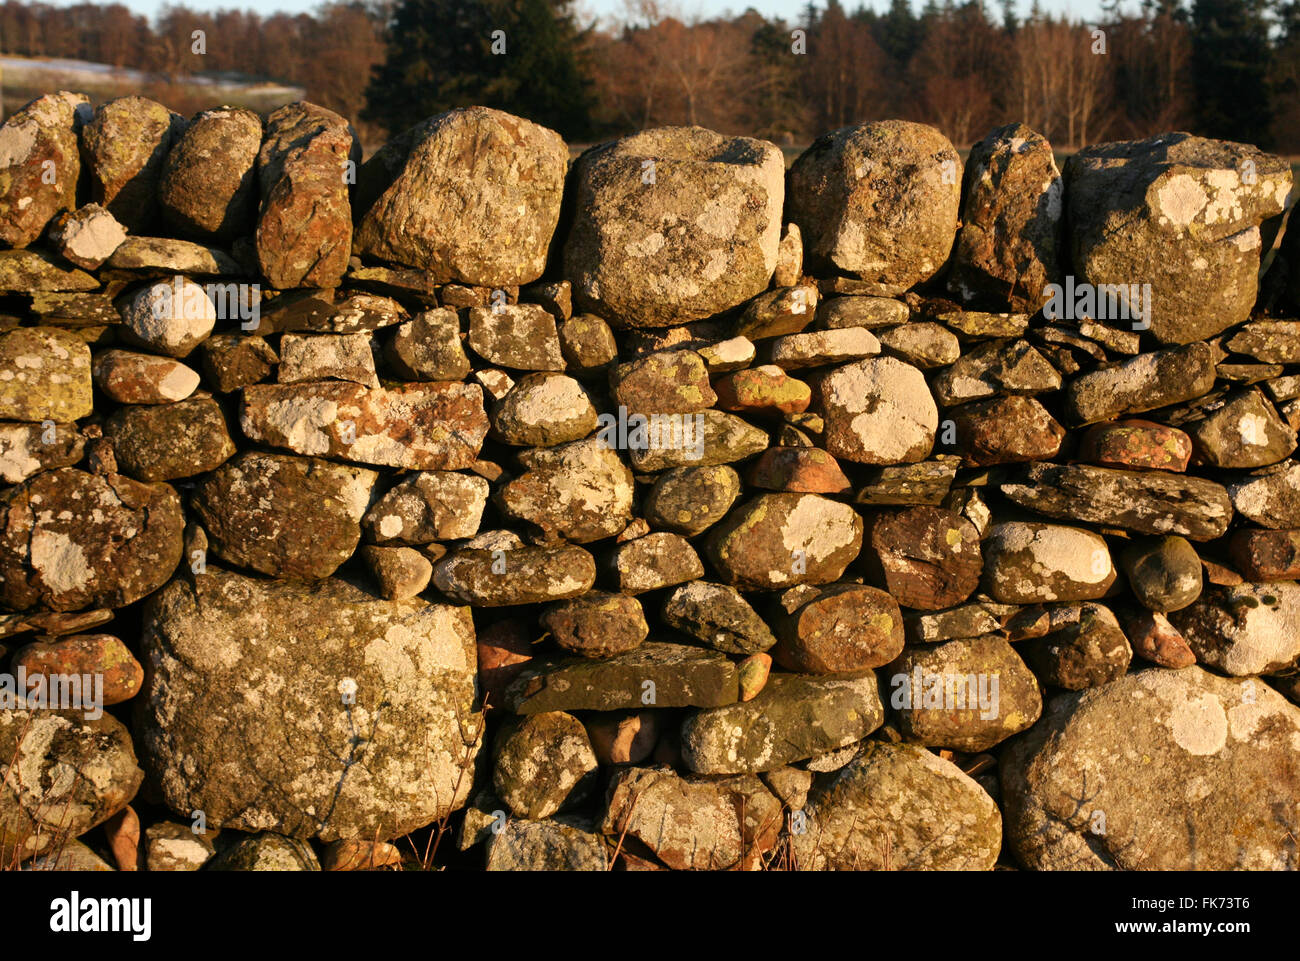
[1221, 68]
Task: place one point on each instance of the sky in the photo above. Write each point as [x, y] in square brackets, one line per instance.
[787, 9]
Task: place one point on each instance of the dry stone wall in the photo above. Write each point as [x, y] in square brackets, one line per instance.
[664, 508]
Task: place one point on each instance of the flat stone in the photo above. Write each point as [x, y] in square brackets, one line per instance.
[524, 575]
[49, 375]
[1136, 445]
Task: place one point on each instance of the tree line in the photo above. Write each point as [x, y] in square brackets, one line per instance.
[1221, 68]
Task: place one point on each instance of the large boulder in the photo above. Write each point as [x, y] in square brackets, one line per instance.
[123, 146]
[673, 225]
[304, 229]
[314, 711]
[39, 165]
[1182, 214]
[208, 187]
[1159, 770]
[471, 196]
[877, 201]
[1013, 200]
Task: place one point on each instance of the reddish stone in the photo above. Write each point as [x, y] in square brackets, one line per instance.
[100, 654]
[1266, 555]
[1005, 430]
[123, 833]
[843, 629]
[1158, 641]
[928, 557]
[762, 390]
[807, 470]
[504, 649]
[1136, 444]
[754, 672]
[1220, 574]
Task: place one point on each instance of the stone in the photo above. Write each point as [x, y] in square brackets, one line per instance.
[656, 560]
[304, 221]
[798, 469]
[170, 318]
[519, 336]
[995, 367]
[123, 147]
[207, 189]
[36, 272]
[504, 647]
[877, 411]
[428, 347]
[821, 348]
[27, 449]
[718, 616]
[841, 629]
[548, 845]
[775, 313]
[170, 846]
[622, 737]
[524, 575]
[1175, 212]
[673, 225]
[374, 734]
[140, 258]
[471, 196]
[791, 719]
[789, 257]
[65, 775]
[1136, 445]
[778, 540]
[1246, 629]
[74, 309]
[41, 163]
[655, 674]
[131, 378]
[1196, 779]
[266, 852]
[1156, 640]
[48, 375]
[898, 807]
[436, 426]
[313, 357]
[542, 410]
[1089, 652]
[161, 442]
[878, 201]
[1163, 573]
[690, 500]
[1013, 200]
[400, 572]
[588, 345]
[543, 764]
[834, 313]
[67, 560]
[1141, 501]
[765, 390]
[753, 673]
[87, 236]
[597, 624]
[964, 695]
[358, 854]
[693, 823]
[926, 482]
[664, 382]
[1005, 430]
[1269, 341]
[283, 516]
[1245, 432]
[1027, 562]
[101, 656]
[581, 491]
[428, 506]
[122, 831]
[967, 620]
[921, 344]
[705, 439]
[231, 361]
[927, 557]
[1269, 497]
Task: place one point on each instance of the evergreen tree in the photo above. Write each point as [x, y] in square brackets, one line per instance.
[1230, 59]
[522, 56]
